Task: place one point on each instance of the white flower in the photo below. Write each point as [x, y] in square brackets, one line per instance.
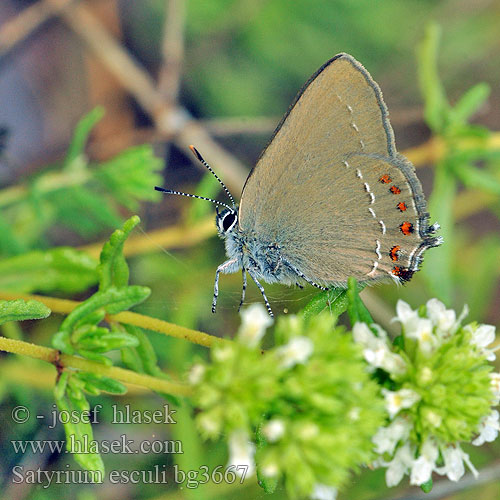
[443, 319]
[296, 351]
[196, 373]
[241, 452]
[488, 429]
[483, 336]
[396, 401]
[454, 458]
[405, 315]
[254, 321]
[323, 492]
[495, 387]
[399, 465]
[386, 438]
[377, 351]
[422, 332]
[423, 466]
[273, 430]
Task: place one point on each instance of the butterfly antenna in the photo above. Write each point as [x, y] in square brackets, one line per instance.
[170, 191]
[207, 166]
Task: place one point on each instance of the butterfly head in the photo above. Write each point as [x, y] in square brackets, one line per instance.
[226, 220]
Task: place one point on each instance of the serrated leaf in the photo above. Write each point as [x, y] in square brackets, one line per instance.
[113, 268]
[62, 269]
[20, 310]
[82, 132]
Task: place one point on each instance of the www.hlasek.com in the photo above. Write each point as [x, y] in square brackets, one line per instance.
[157, 475]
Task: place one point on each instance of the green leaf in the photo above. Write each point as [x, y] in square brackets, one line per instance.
[108, 342]
[427, 486]
[438, 263]
[79, 434]
[474, 177]
[60, 388]
[268, 484]
[146, 355]
[95, 356]
[355, 308]
[82, 132]
[335, 300]
[103, 383]
[130, 175]
[84, 210]
[436, 104]
[20, 310]
[112, 300]
[62, 269]
[113, 269]
[469, 103]
[9, 243]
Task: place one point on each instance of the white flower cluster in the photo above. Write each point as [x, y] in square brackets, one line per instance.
[430, 333]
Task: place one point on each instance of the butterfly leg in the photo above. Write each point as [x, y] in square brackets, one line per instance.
[230, 266]
[303, 276]
[261, 288]
[244, 289]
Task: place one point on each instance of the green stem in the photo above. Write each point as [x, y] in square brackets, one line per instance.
[66, 361]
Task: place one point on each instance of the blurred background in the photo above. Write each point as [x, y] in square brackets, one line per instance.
[158, 75]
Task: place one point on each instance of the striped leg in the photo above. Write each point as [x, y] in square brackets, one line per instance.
[230, 266]
[244, 289]
[261, 288]
[303, 276]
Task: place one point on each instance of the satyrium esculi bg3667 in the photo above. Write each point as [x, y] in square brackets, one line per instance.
[330, 197]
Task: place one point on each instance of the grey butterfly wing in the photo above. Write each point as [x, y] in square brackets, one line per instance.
[314, 184]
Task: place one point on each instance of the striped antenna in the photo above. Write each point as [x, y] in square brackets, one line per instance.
[207, 166]
[170, 191]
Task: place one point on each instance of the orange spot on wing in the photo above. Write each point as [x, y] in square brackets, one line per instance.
[403, 273]
[385, 179]
[395, 190]
[394, 252]
[406, 228]
[402, 206]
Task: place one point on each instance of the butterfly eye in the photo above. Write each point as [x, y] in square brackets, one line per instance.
[228, 221]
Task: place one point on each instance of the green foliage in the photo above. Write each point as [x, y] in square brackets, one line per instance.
[70, 397]
[81, 333]
[61, 269]
[460, 160]
[355, 308]
[20, 310]
[84, 197]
